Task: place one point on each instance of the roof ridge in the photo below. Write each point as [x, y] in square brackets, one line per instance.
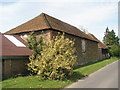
[100, 42]
[92, 36]
[46, 15]
[46, 20]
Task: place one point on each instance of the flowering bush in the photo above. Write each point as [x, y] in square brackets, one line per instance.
[56, 60]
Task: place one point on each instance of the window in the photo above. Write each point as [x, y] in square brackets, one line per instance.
[83, 46]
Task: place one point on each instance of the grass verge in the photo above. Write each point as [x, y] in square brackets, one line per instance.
[34, 82]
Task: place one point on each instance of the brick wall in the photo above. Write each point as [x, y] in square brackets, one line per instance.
[91, 52]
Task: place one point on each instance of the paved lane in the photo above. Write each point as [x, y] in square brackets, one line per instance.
[107, 77]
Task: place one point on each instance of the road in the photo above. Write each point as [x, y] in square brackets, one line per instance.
[107, 77]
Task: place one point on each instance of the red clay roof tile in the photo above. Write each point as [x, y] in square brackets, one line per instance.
[44, 21]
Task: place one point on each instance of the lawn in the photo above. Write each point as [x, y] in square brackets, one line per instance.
[35, 82]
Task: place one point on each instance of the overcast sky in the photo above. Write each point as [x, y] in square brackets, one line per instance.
[92, 15]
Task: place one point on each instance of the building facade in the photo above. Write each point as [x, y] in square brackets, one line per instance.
[102, 49]
[48, 27]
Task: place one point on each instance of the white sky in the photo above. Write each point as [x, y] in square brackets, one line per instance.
[92, 15]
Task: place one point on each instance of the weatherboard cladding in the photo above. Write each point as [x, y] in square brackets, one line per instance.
[43, 22]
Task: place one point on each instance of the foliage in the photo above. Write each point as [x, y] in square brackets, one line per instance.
[106, 37]
[55, 60]
[110, 38]
[112, 42]
[115, 50]
[36, 45]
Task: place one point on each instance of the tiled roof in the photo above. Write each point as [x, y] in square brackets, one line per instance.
[44, 21]
[100, 44]
[10, 49]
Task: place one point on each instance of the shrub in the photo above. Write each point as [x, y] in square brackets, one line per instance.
[56, 60]
[115, 50]
[36, 45]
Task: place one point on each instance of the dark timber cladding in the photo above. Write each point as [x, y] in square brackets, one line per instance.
[86, 46]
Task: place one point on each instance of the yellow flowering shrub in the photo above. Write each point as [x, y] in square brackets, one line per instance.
[56, 60]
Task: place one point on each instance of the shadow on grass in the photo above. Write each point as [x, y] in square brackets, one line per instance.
[76, 76]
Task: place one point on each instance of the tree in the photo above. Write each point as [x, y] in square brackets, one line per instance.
[110, 38]
[112, 42]
[106, 37]
[56, 58]
[113, 39]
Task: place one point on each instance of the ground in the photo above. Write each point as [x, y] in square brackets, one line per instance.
[106, 77]
[35, 82]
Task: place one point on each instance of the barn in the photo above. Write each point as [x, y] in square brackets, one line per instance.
[102, 49]
[48, 26]
[14, 55]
